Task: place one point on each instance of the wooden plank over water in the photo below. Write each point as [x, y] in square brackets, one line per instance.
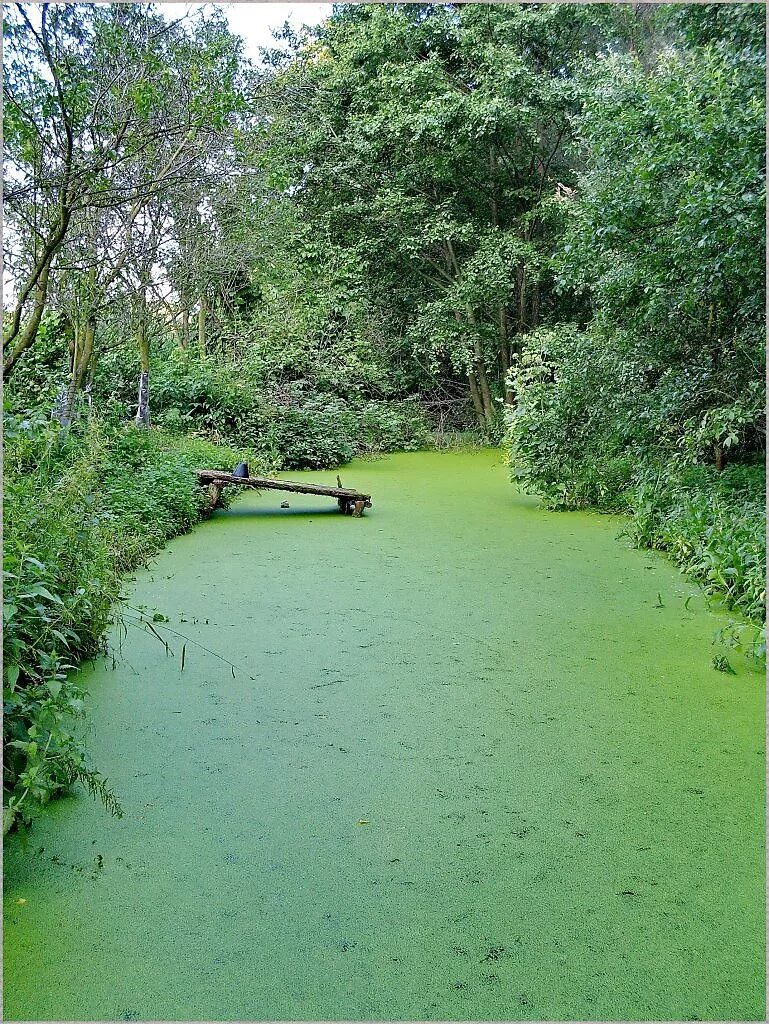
[345, 496]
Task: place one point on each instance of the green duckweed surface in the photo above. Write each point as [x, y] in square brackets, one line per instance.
[467, 769]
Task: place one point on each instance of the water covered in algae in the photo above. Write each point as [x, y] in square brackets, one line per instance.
[467, 769]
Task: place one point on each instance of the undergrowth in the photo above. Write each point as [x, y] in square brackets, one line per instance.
[713, 525]
[80, 512]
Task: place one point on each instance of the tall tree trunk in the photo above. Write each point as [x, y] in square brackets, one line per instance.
[185, 332]
[202, 327]
[479, 371]
[483, 386]
[29, 333]
[504, 343]
[534, 313]
[504, 354]
[520, 276]
[41, 268]
[143, 401]
[476, 397]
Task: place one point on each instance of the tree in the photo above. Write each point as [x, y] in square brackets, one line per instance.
[667, 236]
[107, 109]
[426, 143]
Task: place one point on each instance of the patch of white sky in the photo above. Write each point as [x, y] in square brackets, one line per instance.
[256, 22]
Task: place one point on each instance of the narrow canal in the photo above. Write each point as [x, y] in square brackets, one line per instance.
[467, 768]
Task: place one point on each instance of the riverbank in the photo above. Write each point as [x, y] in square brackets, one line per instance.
[474, 763]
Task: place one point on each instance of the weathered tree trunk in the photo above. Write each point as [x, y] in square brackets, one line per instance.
[29, 333]
[483, 386]
[534, 312]
[479, 372]
[504, 343]
[520, 276]
[41, 268]
[504, 354]
[143, 401]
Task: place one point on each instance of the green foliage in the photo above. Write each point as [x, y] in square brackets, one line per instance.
[667, 236]
[260, 404]
[425, 145]
[322, 431]
[79, 512]
[712, 524]
[578, 419]
[637, 411]
[721, 664]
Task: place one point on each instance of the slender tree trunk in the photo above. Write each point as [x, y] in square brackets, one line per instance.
[483, 385]
[504, 354]
[80, 364]
[534, 314]
[41, 268]
[504, 344]
[520, 275]
[202, 328]
[479, 371]
[143, 401]
[493, 173]
[29, 333]
[185, 332]
[476, 397]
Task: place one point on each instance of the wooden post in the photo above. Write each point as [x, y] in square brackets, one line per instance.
[214, 494]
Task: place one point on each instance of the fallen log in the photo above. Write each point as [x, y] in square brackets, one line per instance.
[348, 499]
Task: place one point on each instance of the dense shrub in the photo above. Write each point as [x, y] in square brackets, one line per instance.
[291, 425]
[587, 432]
[579, 422]
[323, 431]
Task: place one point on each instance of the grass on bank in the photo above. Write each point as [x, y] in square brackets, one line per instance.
[713, 525]
[79, 514]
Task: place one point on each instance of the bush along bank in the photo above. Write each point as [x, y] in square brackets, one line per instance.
[585, 433]
[713, 525]
[80, 512]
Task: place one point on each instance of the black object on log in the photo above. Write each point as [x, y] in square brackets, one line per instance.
[241, 470]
